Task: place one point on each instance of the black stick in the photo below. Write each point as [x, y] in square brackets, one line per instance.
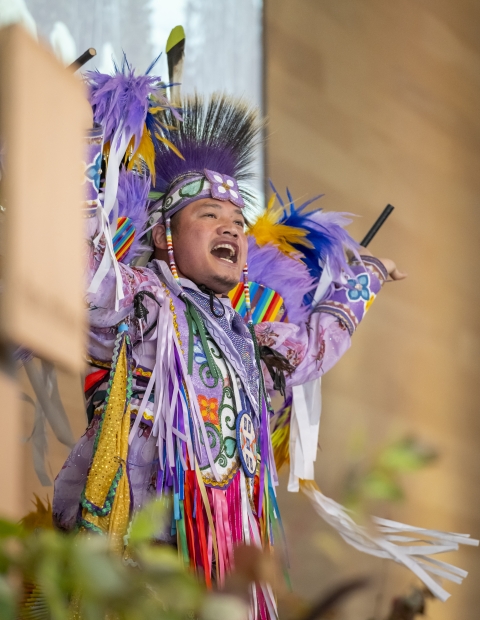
[81, 60]
[375, 228]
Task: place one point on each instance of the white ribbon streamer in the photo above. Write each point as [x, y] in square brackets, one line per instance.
[110, 202]
[413, 557]
[108, 259]
[113, 169]
[304, 429]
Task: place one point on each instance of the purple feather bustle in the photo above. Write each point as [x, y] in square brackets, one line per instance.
[289, 277]
[132, 196]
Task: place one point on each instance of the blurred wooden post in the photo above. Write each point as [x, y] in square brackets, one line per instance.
[10, 449]
[43, 117]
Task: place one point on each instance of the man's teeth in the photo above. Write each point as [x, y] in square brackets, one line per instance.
[227, 247]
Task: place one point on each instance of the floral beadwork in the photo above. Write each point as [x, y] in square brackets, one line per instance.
[359, 288]
[224, 187]
[209, 409]
[198, 353]
[93, 171]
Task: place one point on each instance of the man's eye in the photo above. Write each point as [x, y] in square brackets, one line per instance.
[210, 215]
[240, 223]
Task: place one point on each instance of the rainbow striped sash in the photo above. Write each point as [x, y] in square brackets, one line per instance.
[267, 305]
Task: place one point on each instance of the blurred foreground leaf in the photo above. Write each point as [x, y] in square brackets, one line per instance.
[379, 484]
[148, 522]
[408, 454]
[380, 478]
[53, 575]
[7, 601]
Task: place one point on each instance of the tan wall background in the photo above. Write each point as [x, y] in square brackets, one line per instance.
[373, 102]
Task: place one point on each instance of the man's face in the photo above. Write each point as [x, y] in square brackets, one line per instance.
[210, 244]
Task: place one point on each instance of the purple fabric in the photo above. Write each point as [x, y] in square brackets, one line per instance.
[173, 202]
[264, 430]
[350, 302]
[71, 480]
[290, 278]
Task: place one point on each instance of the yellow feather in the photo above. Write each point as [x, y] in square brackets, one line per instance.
[41, 517]
[145, 151]
[281, 438]
[267, 230]
[170, 146]
[154, 110]
[281, 446]
[169, 127]
[106, 151]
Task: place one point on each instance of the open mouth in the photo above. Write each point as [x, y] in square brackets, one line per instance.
[225, 252]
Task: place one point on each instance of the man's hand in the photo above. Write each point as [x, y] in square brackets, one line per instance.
[389, 265]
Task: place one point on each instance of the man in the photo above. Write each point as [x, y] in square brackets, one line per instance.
[179, 401]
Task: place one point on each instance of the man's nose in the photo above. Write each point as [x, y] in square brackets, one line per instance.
[228, 229]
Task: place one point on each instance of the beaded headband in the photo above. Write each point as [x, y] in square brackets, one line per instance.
[197, 186]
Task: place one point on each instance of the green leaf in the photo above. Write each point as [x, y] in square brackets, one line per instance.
[160, 558]
[408, 454]
[9, 528]
[379, 484]
[7, 601]
[148, 522]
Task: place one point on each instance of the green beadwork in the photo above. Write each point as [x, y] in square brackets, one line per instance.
[90, 526]
[192, 189]
[230, 446]
[107, 507]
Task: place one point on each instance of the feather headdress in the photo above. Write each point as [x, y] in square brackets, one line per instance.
[218, 134]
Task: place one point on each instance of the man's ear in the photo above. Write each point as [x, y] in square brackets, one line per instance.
[159, 237]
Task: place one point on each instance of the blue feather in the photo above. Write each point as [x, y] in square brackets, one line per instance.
[326, 234]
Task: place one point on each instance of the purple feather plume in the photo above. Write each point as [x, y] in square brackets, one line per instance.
[132, 199]
[123, 99]
[289, 277]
